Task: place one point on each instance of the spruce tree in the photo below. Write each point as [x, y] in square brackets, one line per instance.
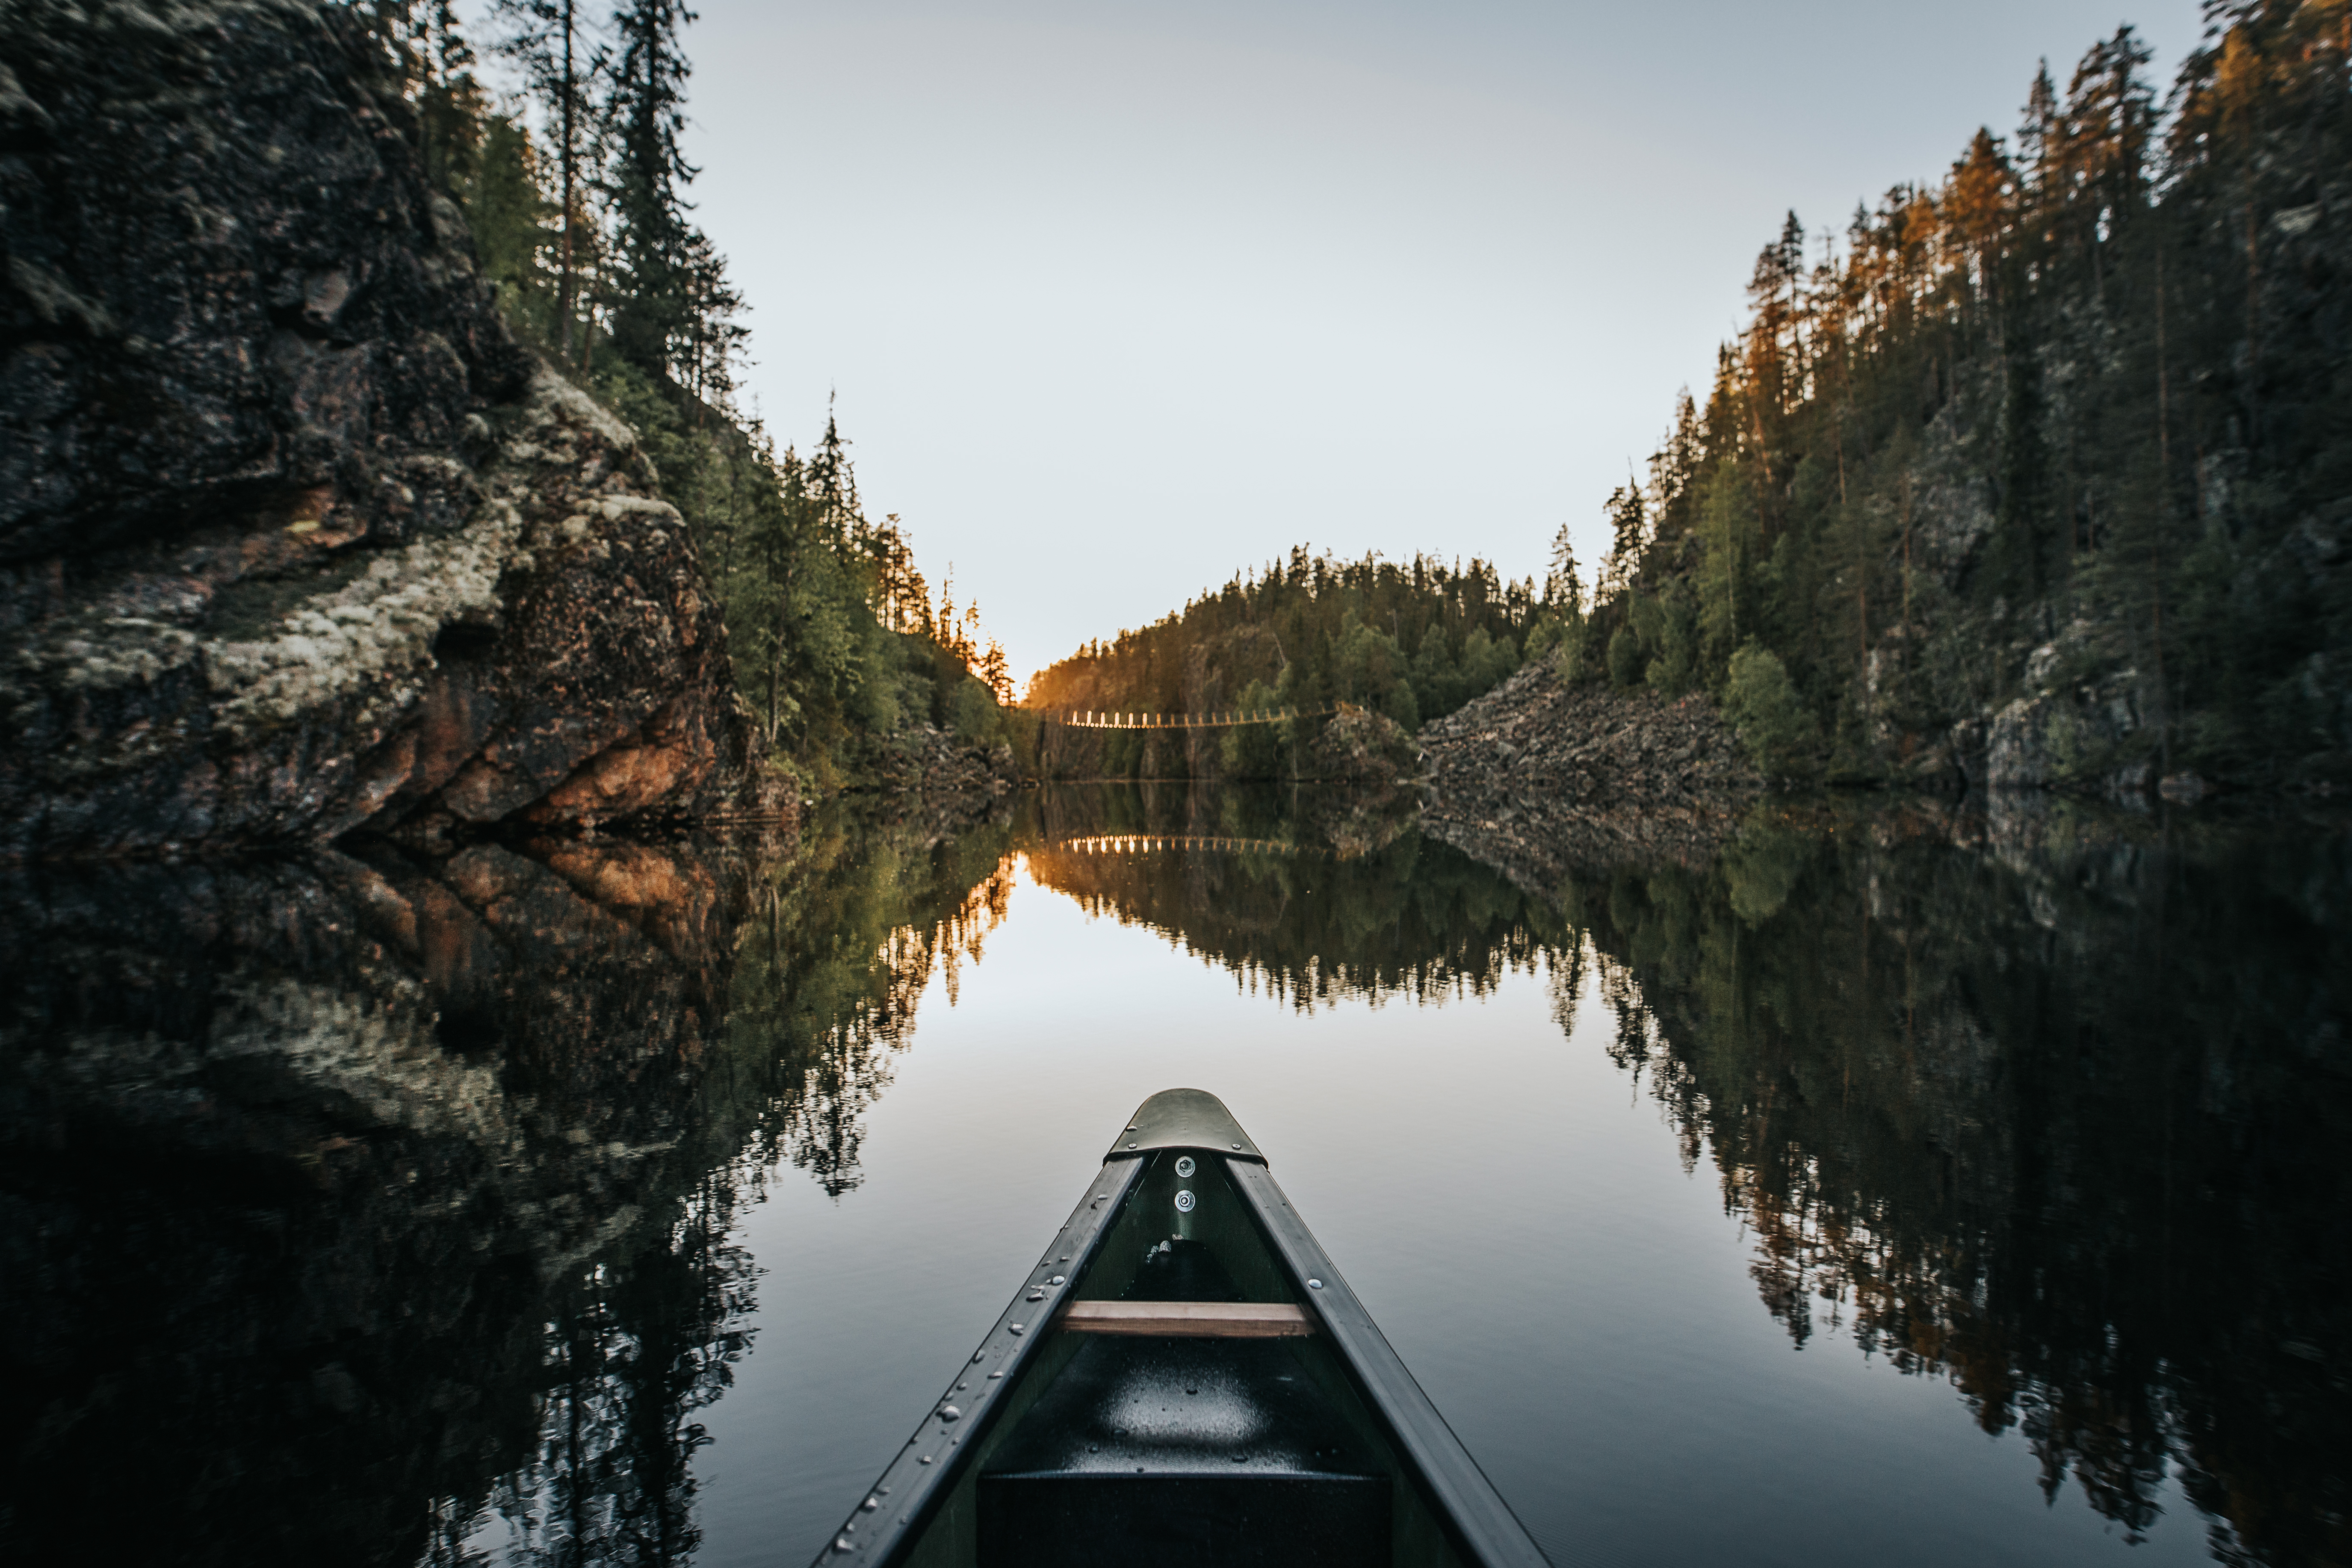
[645, 115]
[546, 38]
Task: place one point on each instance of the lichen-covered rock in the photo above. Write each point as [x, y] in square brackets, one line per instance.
[923, 759]
[2070, 730]
[293, 536]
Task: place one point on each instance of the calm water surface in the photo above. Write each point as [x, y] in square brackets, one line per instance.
[1854, 1185]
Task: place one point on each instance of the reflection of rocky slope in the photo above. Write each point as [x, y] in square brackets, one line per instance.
[282, 1226]
[2054, 1115]
[292, 536]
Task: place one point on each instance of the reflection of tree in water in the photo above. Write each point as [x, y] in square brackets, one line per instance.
[839, 941]
[2066, 1131]
[1411, 919]
[835, 1003]
[640, 1341]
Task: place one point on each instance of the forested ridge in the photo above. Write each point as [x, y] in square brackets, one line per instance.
[1412, 640]
[575, 188]
[2041, 470]
[2035, 475]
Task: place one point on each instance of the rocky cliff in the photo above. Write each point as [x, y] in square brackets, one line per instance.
[293, 536]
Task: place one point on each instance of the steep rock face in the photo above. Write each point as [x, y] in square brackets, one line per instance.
[293, 537]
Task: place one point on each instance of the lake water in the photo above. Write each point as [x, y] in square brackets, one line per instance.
[1846, 1183]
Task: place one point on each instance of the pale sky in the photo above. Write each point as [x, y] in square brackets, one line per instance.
[1120, 299]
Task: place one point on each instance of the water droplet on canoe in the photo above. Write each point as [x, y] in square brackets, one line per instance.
[1130, 1143]
[1036, 1295]
[980, 1354]
[883, 1491]
[924, 1460]
[1314, 1284]
[1064, 1259]
[994, 1375]
[1192, 1391]
[870, 1504]
[950, 1413]
[1057, 1279]
[1092, 1449]
[962, 1386]
[842, 1544]
[1016, 1327]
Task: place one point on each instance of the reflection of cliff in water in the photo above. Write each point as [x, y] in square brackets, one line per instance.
[1323, 899]
[340, 1199]
[2059, 1116]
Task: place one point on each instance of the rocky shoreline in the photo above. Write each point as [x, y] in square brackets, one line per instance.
[1537, 777]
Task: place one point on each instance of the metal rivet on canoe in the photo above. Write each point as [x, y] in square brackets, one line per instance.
[1184, 1202]
[1314, 1284]
[1184, 1166]
[1236, 1146]
[1130, 1143]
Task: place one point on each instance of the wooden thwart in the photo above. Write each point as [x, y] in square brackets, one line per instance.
[1190, 1320]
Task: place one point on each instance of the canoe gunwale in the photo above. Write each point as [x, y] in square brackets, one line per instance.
[1464, 1500]
[910, 1492]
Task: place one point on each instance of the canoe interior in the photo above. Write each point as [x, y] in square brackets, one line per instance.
[1141, 1449]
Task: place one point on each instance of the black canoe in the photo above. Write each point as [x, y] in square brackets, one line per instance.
[1184, 1379]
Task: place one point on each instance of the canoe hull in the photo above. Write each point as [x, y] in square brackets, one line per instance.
[1218, 1395]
